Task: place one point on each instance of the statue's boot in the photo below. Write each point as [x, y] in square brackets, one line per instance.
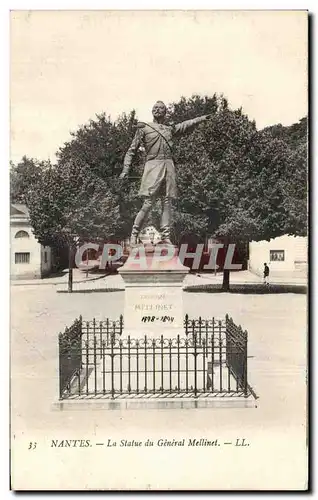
[134, 236]
[167, 241]
[165, 222]
[140, 220]
[165, 235]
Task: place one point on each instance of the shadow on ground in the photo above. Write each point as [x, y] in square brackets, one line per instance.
[57, 274]
[255, 288]
[93, 290]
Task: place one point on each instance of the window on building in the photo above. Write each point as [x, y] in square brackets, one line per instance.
[45, 257]
[22, 258]
[277, 255]
[22, 234]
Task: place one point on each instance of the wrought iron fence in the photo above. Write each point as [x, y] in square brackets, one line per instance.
[70, 359]
[98, 360]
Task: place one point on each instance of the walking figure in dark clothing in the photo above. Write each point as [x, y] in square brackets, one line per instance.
[266, 274]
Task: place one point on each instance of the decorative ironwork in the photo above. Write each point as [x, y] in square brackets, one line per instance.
[70, 363]
[209, 360]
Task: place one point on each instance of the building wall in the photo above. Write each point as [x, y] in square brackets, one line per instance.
[46, 263]
[25, 245]
[38, 265]
[295, 255]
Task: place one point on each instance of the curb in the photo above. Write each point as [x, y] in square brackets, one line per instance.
[34, 282]
[255, 288]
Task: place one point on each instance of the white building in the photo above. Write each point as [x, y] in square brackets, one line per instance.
[29, 259]
[283, 254]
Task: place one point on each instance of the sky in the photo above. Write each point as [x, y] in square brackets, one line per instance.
[66, 66]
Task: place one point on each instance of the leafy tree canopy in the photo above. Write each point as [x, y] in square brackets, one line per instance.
[234, 182]
[23, 176]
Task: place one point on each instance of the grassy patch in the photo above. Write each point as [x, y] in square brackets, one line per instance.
[248, 288]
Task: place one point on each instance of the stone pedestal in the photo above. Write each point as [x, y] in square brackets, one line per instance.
[153, 292]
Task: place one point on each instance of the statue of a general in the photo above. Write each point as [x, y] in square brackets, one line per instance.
[159, 177]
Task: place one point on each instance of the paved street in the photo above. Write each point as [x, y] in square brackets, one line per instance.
[277, 369]
[96, 279]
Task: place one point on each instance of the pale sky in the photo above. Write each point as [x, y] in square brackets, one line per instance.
[66, 66]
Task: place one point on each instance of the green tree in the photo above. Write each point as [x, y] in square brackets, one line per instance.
[81, 198]
[23, 176]
[294, 183]
[71, 205]
[294, 188]
[235, 183]
[294, 135]
[97, 149]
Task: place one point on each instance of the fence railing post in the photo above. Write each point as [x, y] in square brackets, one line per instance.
[95, 363]
[186, 319]
[194, 344]
[104, 367]
[245, 365]
[81, 339]
[60, 369]
[87, 362]
[195, 365]
[69, 356]
[112, 365]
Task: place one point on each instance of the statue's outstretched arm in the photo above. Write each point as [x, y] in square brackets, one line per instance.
[189, 125]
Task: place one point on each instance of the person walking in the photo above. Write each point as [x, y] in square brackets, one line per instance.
[266, 274]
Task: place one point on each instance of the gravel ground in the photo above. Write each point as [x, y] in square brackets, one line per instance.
[276, 427]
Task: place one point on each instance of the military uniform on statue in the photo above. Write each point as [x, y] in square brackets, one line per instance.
[153, 286]
[159, 177]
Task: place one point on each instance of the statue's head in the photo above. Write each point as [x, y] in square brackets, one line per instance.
[159, 109]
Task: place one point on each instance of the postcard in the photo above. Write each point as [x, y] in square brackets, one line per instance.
[159, 250]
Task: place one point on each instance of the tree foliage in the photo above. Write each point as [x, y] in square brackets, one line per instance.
[295, 135]
[235, 182]
[81, 196]
[97, 151]
[23, 176]
[294, 184]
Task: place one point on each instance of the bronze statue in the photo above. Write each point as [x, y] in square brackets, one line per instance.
[159, 177]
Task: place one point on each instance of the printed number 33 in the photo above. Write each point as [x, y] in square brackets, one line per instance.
[32, 445]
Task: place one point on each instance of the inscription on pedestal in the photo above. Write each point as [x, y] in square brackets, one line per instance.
[154, 309]
[153, 295]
